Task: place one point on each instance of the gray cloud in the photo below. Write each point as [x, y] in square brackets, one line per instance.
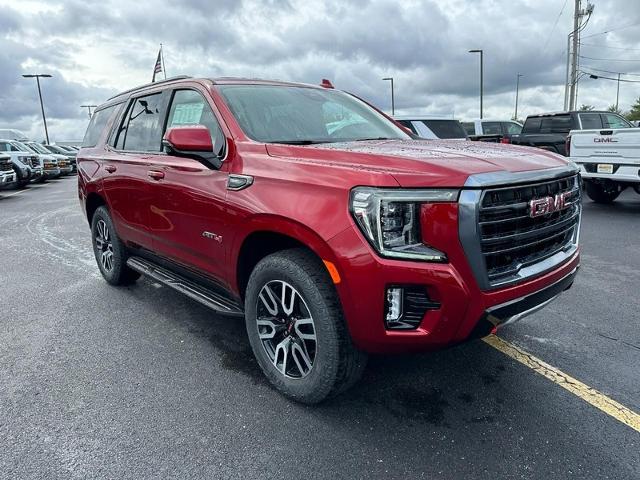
[96, 48]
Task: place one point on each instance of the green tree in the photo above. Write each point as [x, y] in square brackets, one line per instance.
[614, 109]
[634, 113]
[586, 108]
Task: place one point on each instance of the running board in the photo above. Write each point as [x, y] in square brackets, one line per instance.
[203, 295]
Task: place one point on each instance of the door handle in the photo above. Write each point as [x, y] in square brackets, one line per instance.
[110, 168]
[155, 174]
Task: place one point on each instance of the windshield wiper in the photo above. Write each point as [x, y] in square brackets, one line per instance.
[299, 142]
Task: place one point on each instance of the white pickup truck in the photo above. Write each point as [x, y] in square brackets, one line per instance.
[609, 161]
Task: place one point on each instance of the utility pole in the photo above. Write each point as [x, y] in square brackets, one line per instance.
[44, 119]
[515, 115]
[481, 52]
[618, 92]
[393, 105]
[574, 37]
[89, 107]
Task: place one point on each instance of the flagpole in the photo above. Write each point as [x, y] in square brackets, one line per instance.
[164, 69]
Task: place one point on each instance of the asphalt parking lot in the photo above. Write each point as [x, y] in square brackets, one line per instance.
[141, 382]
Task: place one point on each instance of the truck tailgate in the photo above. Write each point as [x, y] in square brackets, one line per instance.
[615, 146]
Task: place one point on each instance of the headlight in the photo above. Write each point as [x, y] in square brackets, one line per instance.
[23, 159]
[390, 220]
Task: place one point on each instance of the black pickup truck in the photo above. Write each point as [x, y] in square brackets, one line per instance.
[549, 131]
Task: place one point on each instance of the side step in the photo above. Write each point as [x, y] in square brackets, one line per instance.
[205, 296]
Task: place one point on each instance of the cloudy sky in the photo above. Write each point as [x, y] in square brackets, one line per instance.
[95, 49]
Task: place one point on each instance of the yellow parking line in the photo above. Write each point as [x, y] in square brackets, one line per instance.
[585, 392]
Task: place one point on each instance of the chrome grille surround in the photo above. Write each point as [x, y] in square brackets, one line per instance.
[503, 243]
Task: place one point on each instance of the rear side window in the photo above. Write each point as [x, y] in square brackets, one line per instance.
[511, 128]
[446, 128]
[408, 124]
[491, 128]
[141, 129]
[590, 121]
[469, 127]
[532, 125]
[556, 124]
[98, 121]
[189, 107]
[611, 120]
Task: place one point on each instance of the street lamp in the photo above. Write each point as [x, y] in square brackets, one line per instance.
[393, 106]
[88, 107]
[515, 115]
[37, 76]
[481, 52]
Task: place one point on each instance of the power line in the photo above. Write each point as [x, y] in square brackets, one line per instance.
[546, 44]
[611, 47]
[611, 30]
[609, 71]
[611, 59]
[610, 78]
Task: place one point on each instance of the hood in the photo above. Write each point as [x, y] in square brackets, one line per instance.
[415, 163]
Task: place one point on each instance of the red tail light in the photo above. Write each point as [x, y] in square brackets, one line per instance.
[567, 146]
[505, 139]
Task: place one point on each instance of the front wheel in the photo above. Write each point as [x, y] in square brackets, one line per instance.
[297, 330]
[603, 192]
[109, 250]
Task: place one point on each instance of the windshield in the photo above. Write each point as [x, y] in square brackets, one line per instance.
[302, 115]
[37, 148]
[21, 147]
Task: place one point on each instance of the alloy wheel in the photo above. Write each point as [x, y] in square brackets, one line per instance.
[286, 329]
[104, 245]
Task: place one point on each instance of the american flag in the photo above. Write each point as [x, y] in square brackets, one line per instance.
[158, 67]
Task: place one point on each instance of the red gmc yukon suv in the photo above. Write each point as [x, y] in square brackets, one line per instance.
[326, 225]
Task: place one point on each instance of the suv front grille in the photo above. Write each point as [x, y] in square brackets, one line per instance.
[508, 244]
[5, 165]
[511, 239]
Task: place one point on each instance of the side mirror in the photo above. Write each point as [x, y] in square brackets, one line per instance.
[191, 141]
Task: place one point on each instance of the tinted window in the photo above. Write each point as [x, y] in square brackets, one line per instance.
[96, 126]
[188, 107]
[611, 120]
[590, 120]
[556, 124]
[532, 125]
[408, 124]
[270, 113]
[511, 128]
[469, 127]
[446, 128]
[491, 128]
[142, 127]
[4, 147]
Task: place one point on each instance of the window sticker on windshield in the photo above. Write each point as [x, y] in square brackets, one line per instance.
[187, 114]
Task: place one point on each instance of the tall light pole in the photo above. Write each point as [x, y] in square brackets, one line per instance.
[481, 52]
[44, 120]
[393, 104]
[88, 107]
[515, 115]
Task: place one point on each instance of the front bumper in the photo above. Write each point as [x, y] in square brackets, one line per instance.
[463, 305]
[52, 172]
[7, 180]
[36, 173]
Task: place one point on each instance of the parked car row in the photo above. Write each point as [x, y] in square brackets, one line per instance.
[23, 161]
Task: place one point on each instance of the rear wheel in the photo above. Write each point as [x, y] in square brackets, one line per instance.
[605, 192]
[297, 330]
[109, 250]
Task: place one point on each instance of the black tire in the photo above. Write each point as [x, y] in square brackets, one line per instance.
[21, 181]
[337, 364]
[115, 270]
[603, 192]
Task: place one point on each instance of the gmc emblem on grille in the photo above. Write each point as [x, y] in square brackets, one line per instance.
[543, 206]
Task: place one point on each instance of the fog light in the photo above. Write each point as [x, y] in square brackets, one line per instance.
[405, 306]
[394, 304]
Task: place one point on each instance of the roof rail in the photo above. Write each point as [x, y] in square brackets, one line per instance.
[170, 79]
